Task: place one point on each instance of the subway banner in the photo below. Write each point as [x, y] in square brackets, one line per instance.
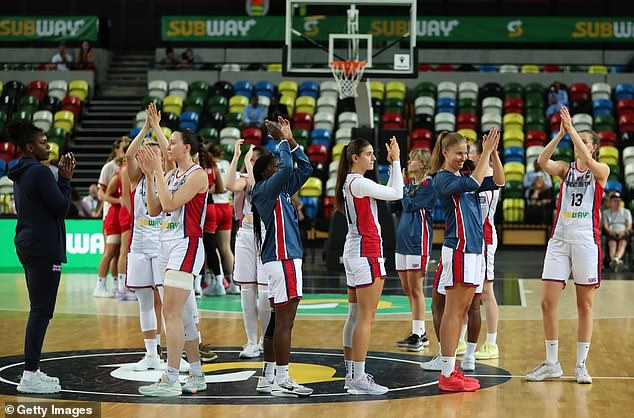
[48, 28]
[430, 29]
[84, 245]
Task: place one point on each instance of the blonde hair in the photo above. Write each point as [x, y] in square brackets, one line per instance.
[424, 157]
[444, 141]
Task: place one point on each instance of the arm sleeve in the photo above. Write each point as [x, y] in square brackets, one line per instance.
[56, 196]
[488, 184]
[362, 187]
[273, 186]
[448, 184]
[301, 173]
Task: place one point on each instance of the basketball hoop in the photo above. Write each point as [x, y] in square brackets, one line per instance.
[347, 74]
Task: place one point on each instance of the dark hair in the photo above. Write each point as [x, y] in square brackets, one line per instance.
[477, 145]
[261, 151]
[205, 156]
[596, 140]
[445, 140]
[192, 139]
[260, 166]
[355, 147]
[22, 133]
[124, 139]
[215, 150]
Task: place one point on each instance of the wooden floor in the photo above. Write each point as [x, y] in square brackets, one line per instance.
[84, 323]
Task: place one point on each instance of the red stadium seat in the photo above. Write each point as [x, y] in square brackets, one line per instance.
[513, 106]
[551, 68]
[392, 120]
[535, 138]
[421, 138]
[73, 105]
[626, 122]
[424, 67]
[7, 151]
[38, 88]
[303, 120]
[467, 121]
[317, 153]
[252, 136]
[625, 106]
[328, 205]
[579, 91]
[444, 67]
[607, 138]
[554, 121]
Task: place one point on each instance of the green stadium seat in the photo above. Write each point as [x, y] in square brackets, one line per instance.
[151, 99]
[209, 134]
[425, 89]
[194, 103]
[233, 120]
[217, 104]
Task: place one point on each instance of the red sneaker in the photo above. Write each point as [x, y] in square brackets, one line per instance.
[470, 380]
[457, 382]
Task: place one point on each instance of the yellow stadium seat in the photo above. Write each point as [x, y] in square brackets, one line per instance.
[237, 104]
[312, 187]
[470, 134]
[166, 131]
[514, 171]
[305, 104]
[289, 102]
[609, 155]
[54, 155]
[377, 89]
[288, 88]
[64, 120]
[513, 138]
[79, 89]
[597, 69]
[173, 104]
[1, 87]
[513, 210]
[336, 151]
[274, 68]
[395, 90]
[529, 69]
[512, 121]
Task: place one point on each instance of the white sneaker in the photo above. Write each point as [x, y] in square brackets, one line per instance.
[147, 363]
[102, 292]
[289, 389]
[233, 289]
[261, 344]
[194, 384]
[433, 365]
[36, 384]
[46, 377]
[162, 388]
[250, 351]
[468, 364]
[582, 375]
[264, 386]
[184, 366]
[366, 386]
[219, 288]
[346, 382]
[545, 371]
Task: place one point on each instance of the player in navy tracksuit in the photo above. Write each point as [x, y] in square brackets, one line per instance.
[281, 250]
[414, 235]
[462, 247]
[41, 203]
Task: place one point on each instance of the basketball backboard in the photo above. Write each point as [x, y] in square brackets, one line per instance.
[380, 32]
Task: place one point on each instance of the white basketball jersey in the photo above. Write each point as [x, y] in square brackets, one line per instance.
[364, 231]
[146, 229]
[188, 220]
[488, 205]
[578, 208]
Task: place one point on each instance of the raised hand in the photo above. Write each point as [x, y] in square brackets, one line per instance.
[249, 154]
[236, 149]
[274, 130]
[154, 116]
[491, 140]
[395, 150]
[566, 119]
[67, 165]
[285, 127]
[389, 152]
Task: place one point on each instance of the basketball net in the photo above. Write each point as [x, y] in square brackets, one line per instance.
[347, 74]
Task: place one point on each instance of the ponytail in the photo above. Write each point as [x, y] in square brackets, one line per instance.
[355, 147]
[445, 140]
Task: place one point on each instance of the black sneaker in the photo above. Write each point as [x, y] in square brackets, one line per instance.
[416, 343]
[206, 353]
[404, 342]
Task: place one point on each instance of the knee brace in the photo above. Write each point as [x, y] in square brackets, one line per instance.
[190, 318]
[270, 329]
[348, 327]
[147, 317]
[179, 279]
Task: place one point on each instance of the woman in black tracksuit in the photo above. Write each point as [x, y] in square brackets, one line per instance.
[40, 241]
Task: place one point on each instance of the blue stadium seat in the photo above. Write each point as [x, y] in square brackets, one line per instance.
[446, 105]
[309, 88]
[3, 168]
[264, 88]
[243, 88]
[488, 68]
[514, 154]
[624, 91]
[383, 173]
[311, 206]
[134, 132]
[188, 120]
[322, 137]
[601, 107]
[613, 186]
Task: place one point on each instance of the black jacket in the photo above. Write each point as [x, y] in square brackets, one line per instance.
[41, 204]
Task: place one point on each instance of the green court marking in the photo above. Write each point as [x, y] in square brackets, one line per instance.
[314, 304]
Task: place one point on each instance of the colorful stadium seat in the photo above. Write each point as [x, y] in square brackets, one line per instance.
[303, 120]
[72, 104]
[243, 88]
[377, 89]
[309, 88]
[238, 103]
[324, 120]
[43, 119]
[265, 88]
[157, 88]
[348, 120]
[288, 88]
[38, 88]
[305, 104]
[199, 88]
[252, 136]
[173, 104]
[424, 105]
[395, 89]
[79, 89]
[321, 137]
[178, 88]
[447, 89]
[392, 120]
[444, 122]
[513, 210]
[58, 89]
[194, 103]
[188, 120]
[64, 120]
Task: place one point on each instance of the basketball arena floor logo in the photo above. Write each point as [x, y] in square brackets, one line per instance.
[107, 376]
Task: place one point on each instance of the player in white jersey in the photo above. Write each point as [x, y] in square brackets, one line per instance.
[181, 196]
[356, 197]
[574, 245]
[144, 275]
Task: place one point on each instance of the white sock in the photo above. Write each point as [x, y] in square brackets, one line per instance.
[200, 337]
[358, 369]
[492, 338]
[150, 347]
[281, 372]
[463, 332]
[268, 371]
[172, 374]
[197, 280]
[264, 309]
[471, 347]
[121, 282]
[28, 374]
[582, 353]
[418, 327]
[249, 301]
[552, 351]
[348, 364]
[447, 365]
[101, 281]
[158, 339]
[220, 280]
[195, 368]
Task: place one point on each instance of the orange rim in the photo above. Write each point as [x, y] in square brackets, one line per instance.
[348, 67]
